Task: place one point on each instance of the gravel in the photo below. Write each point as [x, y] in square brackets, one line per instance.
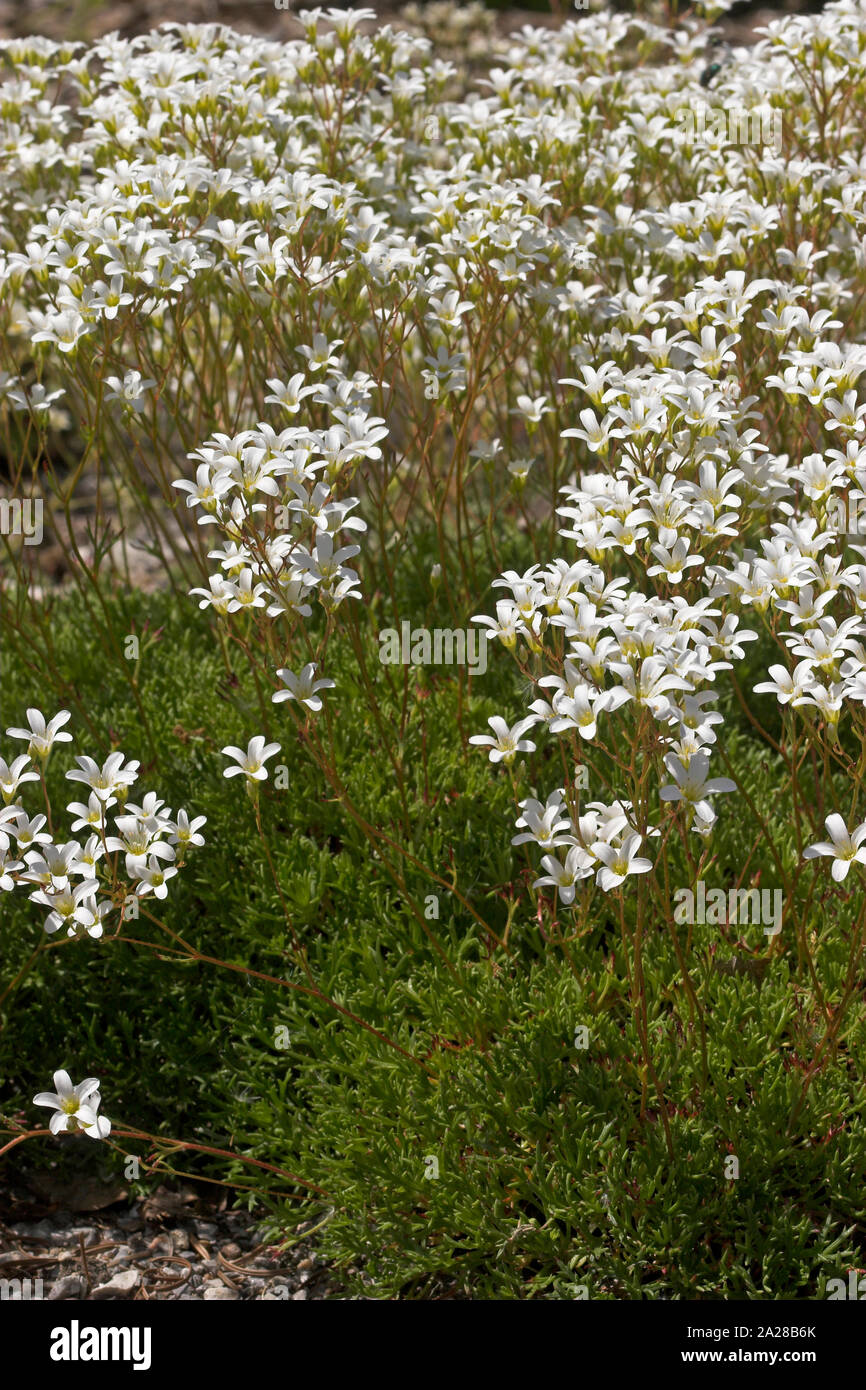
[157, 1248]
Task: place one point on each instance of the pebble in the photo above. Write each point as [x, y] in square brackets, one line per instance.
[70, 1286]
[220, 1295]
[75, 1233]
[121, 1285]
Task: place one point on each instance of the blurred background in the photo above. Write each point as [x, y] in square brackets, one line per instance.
[83, 19]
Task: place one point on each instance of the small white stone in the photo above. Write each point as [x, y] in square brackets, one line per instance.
[70, 1286]
[121, 1285]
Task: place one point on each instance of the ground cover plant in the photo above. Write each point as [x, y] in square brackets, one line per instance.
[458, 841]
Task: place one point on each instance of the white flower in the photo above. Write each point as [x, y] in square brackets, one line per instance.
[152, 876]
[506, 743]
[545, 824]
[302, 688]
[129, 390]
[138, 840]
[532, 408]
[92, 815]
[596, 436]
[289, 394]
[692, 785]
[578, 864]
[55, 864]
[209, 486]
[12, 775]
[319, 355]
[580, 710]
[87, 918]
[673, 561]
[844, 848]
[29, 832]
[7, 866]
[785, 686]
[41, 737]
[251, 763]
[65, 329]
[75, 1107]
[185, 832]
[649, 686]
[35, 398]
[246, 594]
[107, 781]
[618, 861]
[70, 907]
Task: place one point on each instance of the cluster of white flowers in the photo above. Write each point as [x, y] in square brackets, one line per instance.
[353, 233]
[622, 648]
[687, 492]
[686, 487]
[264, 562]
[603, 845]
[79, 881]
